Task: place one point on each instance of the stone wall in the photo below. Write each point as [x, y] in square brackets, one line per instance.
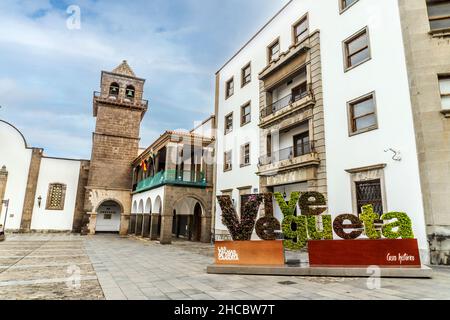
[81, 192]
[174, 194]
[427, 57]
[3, 182]
[30, 194]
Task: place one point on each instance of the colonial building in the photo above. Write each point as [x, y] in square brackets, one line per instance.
[173, 177]
[348, 98]
[172, 186]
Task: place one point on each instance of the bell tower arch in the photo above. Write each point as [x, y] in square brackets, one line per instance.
[119, 109]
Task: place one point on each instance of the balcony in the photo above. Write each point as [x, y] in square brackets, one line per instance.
[288, 158]
[120, 101]
[285, 107]
[173, 177]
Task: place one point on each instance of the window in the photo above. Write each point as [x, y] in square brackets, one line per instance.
[269, 145]
[114, 89]
[227, 161]
[299, 92]
[362, 113]
[357, 49]
[229, 87]
[369, 192]
[56, 196]
[301, 30]
[444, 84]
[246, 115]
[274, 51]
[245, 155]
[439, 14]
[302, 144]
[229, 123]
[246, 75]
[130, 92]
[345, 4]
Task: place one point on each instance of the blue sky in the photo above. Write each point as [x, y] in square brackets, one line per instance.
[48, 72]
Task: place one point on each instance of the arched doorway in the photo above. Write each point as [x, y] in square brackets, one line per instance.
[197, 223]
[187, 220]
[108, 217]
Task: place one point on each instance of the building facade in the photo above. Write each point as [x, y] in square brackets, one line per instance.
[119, 108]
[172, 186]
[340, 94]
[43, 193]
[426, 34]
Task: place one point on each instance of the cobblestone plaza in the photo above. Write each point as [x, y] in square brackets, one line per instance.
[38, 266]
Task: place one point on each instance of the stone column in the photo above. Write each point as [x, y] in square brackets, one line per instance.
[92, 223]
[206, 229]
[146, 226]
[166, 229]
[124, 224]
[3, 180]
[132, 226]
[138, 230]
[30, 195]
[154, 226]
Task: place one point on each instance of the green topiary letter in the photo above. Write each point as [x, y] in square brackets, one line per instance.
[368, 217]
[314, 234]
[300, 235]
[403, 224]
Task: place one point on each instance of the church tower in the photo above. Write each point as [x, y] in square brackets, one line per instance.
[119, 108]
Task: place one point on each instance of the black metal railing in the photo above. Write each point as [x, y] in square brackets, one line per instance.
[283, 103]
[117, 99]
[286, 154]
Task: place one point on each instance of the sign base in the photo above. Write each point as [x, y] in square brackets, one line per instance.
[249, 253]
[384, 253]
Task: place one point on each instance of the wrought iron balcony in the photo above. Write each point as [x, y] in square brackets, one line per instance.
[173, 177]
[283, 103]
[286, 154]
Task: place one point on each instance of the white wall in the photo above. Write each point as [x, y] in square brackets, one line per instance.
[153, 195]
[16, 157]
[385, 74]
[56, 171]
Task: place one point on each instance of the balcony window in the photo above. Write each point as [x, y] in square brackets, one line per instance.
[299, 92]
[444, 84]
[302, 145]
[227, 161]
[439, 14]
[362, 113]
[246, 75]
[301, 30]
[274, 51]
[229, 88]
[229, 123]
[357, 49]
[246, 115]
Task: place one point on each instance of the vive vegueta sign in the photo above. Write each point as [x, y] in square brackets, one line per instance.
[299, 229]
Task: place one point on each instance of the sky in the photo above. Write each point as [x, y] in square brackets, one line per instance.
[49, 71]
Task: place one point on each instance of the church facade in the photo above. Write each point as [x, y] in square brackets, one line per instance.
[88, 196]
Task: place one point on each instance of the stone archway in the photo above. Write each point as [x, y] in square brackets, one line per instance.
[108, 217]
[189, 220]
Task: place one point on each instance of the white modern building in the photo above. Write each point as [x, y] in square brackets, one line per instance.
[319, 100]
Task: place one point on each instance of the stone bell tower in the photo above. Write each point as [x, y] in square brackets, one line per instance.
[119, 109]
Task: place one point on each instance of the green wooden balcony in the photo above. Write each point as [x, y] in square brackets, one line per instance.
[172, 177]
